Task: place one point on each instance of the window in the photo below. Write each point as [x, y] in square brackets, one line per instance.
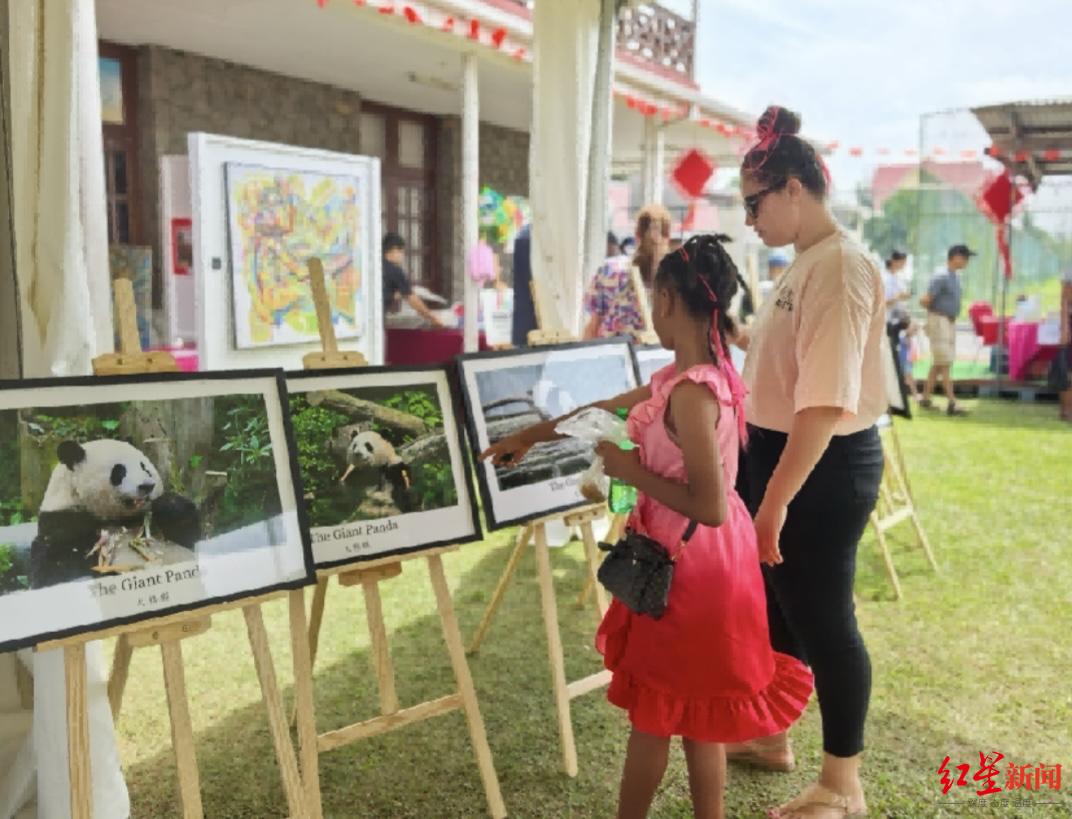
[117, 66]
[406, 144]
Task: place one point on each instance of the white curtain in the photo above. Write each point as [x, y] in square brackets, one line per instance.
[59, 205]
[64, 289]
[565, 34]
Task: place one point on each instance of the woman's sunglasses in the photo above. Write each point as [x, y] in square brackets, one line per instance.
[752, 203]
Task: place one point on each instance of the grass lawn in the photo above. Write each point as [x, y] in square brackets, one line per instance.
[973, 659]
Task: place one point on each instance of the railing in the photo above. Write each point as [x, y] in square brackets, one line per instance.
[653, 34]
[658, 36]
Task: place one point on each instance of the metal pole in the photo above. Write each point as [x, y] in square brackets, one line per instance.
[470, 192]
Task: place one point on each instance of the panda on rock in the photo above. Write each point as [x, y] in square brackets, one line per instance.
[97, 493]
[369, 449]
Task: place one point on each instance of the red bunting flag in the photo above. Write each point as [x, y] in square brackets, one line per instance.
[321, 3]
[498, 36]
[856, 151]
[968, 154]
[994, 151]
[1051, 155]
[519, 54]
[412, 15]
[389, 8]
[448, 24]
[833, 146]
[474, 29]
[1022, 156]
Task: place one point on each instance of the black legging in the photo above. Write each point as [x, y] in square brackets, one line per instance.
[809, 595]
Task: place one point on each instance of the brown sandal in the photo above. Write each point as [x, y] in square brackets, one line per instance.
[777, 757]
[815, 798]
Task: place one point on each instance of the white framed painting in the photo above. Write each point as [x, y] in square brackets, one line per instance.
[383, 462]
[261, 211]
[124, 498]
[507, 391]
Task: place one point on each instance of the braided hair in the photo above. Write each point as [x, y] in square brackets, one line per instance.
[702, 273]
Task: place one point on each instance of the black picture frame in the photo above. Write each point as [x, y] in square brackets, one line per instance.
[467, 497]
[149, 387]
[492, 497]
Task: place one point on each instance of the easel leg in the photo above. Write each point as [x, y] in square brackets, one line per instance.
[182, 732]
[304, 707]
[316, 618]
[452, 636]
[273, 703]
[78, 764]
[554, 652]
[887, 559]
[117, 682]
[591, 552]
[523, 538]
[381, 651]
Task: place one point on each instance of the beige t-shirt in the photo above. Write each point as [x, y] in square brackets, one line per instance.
[817, 340]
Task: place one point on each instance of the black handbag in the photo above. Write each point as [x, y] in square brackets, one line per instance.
[638, 571]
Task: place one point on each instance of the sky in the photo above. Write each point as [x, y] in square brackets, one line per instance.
[862, 72]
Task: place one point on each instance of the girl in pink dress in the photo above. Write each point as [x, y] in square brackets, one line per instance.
[705, 671]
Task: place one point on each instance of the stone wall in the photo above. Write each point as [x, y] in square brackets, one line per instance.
[181, 92]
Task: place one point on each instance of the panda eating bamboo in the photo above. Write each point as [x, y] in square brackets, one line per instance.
[370, 450]
[95, 516]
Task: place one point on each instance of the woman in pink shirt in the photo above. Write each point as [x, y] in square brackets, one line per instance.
[814, 458]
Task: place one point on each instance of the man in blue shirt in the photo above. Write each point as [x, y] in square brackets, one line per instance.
[943, 302]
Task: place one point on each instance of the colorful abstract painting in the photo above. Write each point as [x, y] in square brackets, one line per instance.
[278, 219]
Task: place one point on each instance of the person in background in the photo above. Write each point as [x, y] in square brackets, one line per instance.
[814, 457]
[524, 320]
[628, 246]
[396, 284]
[1065, 387]
[613, 248]
[612, 304]
[899, 324]
[943, 301]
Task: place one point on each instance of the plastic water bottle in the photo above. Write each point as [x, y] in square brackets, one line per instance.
[622, 496]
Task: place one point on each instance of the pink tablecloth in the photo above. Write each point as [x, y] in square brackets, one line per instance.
[1025, 349]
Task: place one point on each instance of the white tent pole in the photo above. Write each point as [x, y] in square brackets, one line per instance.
[600, 148]
[654, 150]
[470, 190]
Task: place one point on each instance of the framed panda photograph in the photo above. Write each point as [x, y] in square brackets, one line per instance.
[382, 460]
[124, 498]
[507, 391]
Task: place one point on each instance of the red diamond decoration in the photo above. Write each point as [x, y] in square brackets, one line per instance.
[692, 171]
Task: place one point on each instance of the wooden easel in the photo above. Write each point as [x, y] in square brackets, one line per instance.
[564, 691]
[368, 577]
[303, 795]
[896, 505]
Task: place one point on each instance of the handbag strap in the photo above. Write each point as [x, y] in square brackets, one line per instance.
[690, 530]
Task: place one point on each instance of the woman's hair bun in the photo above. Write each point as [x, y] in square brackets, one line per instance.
[777, 121]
